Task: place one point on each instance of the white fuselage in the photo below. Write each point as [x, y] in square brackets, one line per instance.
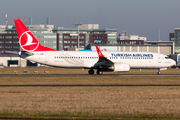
[87, 59]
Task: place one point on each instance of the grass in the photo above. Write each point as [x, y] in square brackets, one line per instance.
[89, 97]
[115, 102]
[91, 80]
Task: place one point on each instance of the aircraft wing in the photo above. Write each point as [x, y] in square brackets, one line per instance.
[103, 61]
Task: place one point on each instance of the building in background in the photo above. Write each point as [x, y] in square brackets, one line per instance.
[171, 36]
[165, 47]
[4, 27]
[68, 37]
[125, 39]
[70, 41]
[9, 42]
[89, 26]
[177, 39]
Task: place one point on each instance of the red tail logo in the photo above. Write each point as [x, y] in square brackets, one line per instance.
[27, 41]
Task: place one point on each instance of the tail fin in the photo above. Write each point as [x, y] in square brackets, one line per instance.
[26, 39]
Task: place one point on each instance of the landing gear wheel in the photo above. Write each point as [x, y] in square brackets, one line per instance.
[159, 72]
[91, 72]
[99, 72]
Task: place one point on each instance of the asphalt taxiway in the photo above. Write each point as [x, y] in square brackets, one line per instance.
[95, 75]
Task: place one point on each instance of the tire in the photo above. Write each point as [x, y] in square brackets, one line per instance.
[91, 72]
[99, 72]
[158, 72]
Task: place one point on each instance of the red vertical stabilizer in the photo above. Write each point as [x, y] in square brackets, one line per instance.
[26, 39]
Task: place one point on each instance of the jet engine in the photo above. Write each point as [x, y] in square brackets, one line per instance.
[120, 67]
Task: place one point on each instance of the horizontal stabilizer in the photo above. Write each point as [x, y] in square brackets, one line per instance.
[26, 53]
[13, 52]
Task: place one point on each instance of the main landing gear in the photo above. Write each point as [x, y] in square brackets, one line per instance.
[159, 72]
[91, 72]
[99, 72]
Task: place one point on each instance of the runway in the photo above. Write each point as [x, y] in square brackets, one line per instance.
[87, 75]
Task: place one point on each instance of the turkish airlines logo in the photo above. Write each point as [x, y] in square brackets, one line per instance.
[27, 42]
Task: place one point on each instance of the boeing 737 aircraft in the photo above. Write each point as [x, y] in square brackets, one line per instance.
[32, 50]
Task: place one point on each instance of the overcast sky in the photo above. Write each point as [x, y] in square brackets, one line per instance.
[140, 17]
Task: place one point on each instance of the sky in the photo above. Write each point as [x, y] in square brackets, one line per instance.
[140, 17]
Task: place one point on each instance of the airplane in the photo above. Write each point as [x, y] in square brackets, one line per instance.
[105, 61]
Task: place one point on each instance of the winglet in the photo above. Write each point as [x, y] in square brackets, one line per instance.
[99, 53]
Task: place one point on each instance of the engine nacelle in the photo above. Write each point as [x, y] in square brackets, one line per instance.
[120, 67]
